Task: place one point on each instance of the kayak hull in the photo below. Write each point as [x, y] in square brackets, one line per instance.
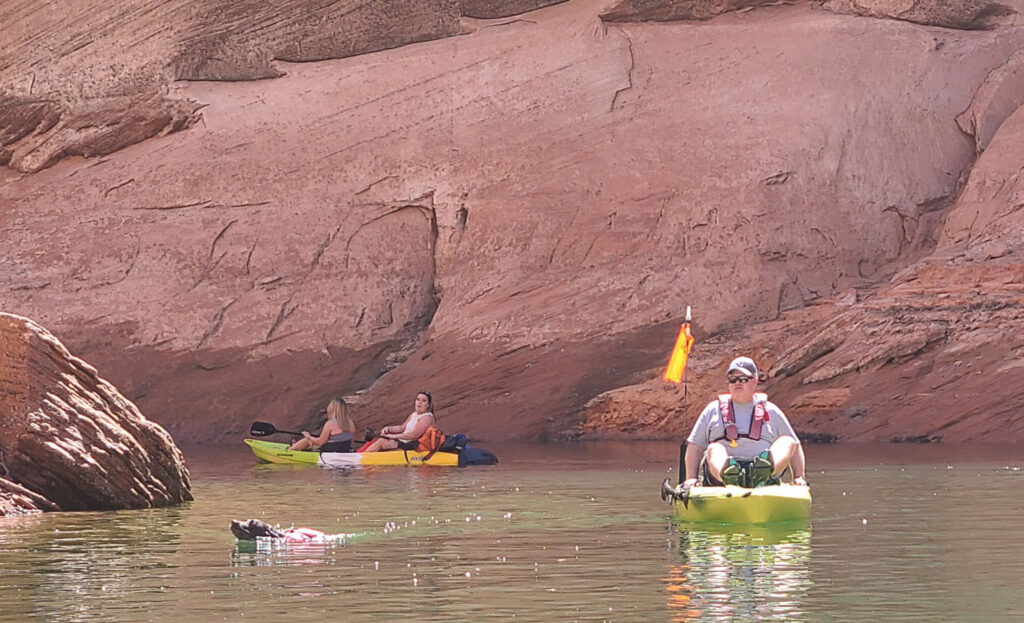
[736, 505]
[274, 452]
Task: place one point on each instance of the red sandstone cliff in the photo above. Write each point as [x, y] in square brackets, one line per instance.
[514, 212]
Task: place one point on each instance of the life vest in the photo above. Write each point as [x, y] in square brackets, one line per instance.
[430, 441]
[729, 418]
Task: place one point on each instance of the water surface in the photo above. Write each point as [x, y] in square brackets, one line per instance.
[572, 532]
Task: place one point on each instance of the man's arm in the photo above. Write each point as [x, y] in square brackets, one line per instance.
[694, 452]
[693, 456]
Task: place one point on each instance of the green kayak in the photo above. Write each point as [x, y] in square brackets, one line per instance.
[737, 505]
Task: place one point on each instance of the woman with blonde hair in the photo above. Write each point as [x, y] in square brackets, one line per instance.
[336, 435]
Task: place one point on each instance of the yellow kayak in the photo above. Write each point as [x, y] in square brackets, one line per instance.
[274, 452]
[732, 504]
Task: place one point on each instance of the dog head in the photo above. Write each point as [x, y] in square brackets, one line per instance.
[250, 529]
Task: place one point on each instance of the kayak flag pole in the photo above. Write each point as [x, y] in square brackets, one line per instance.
[676, 370]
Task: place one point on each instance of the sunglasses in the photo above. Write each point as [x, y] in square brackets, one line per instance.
[742, 380]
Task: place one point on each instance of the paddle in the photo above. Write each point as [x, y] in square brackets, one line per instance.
[262, 429]
[684, 497]
[682, 461]
[668, 491]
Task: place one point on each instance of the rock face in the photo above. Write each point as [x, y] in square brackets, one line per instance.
[513, 218]
[36, 134]
[997, 98]
[966, 14]
[489, 9]
[68, 440]
[963, 14]
[923, 358]
[124, 56]
[672, 10]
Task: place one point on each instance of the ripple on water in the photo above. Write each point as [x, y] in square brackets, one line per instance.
[584, 538]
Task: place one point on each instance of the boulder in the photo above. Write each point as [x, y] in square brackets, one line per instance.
[68, 440]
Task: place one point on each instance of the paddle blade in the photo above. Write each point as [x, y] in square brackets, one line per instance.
[666, 490]
[677, 364]
[262, 429]
[684, 497]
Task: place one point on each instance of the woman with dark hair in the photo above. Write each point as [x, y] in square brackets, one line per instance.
[336, 435]
[407, 434]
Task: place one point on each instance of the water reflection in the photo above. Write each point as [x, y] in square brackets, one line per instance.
[267, 553]
[553, 533]
[740, 574]
[86, 559]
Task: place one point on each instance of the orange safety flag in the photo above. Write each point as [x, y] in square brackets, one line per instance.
[684, 343]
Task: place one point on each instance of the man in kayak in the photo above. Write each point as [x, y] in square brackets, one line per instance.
[742, 438]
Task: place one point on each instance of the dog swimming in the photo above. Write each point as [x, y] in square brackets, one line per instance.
[256, 530]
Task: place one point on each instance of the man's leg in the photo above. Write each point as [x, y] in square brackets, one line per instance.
[781, 453]
[721, 467]
[760, 471]
[769, 465]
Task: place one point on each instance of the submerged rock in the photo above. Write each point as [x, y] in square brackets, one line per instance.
[69, 440]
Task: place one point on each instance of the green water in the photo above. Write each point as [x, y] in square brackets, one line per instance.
[553, 533]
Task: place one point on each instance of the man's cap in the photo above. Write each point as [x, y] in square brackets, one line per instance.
[744, 365]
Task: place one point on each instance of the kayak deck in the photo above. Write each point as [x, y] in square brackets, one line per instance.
[275, 452]
[732, 504]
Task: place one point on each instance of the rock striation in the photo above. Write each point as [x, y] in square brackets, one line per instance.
[89, 79]
[963, 14]
[68, 440]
